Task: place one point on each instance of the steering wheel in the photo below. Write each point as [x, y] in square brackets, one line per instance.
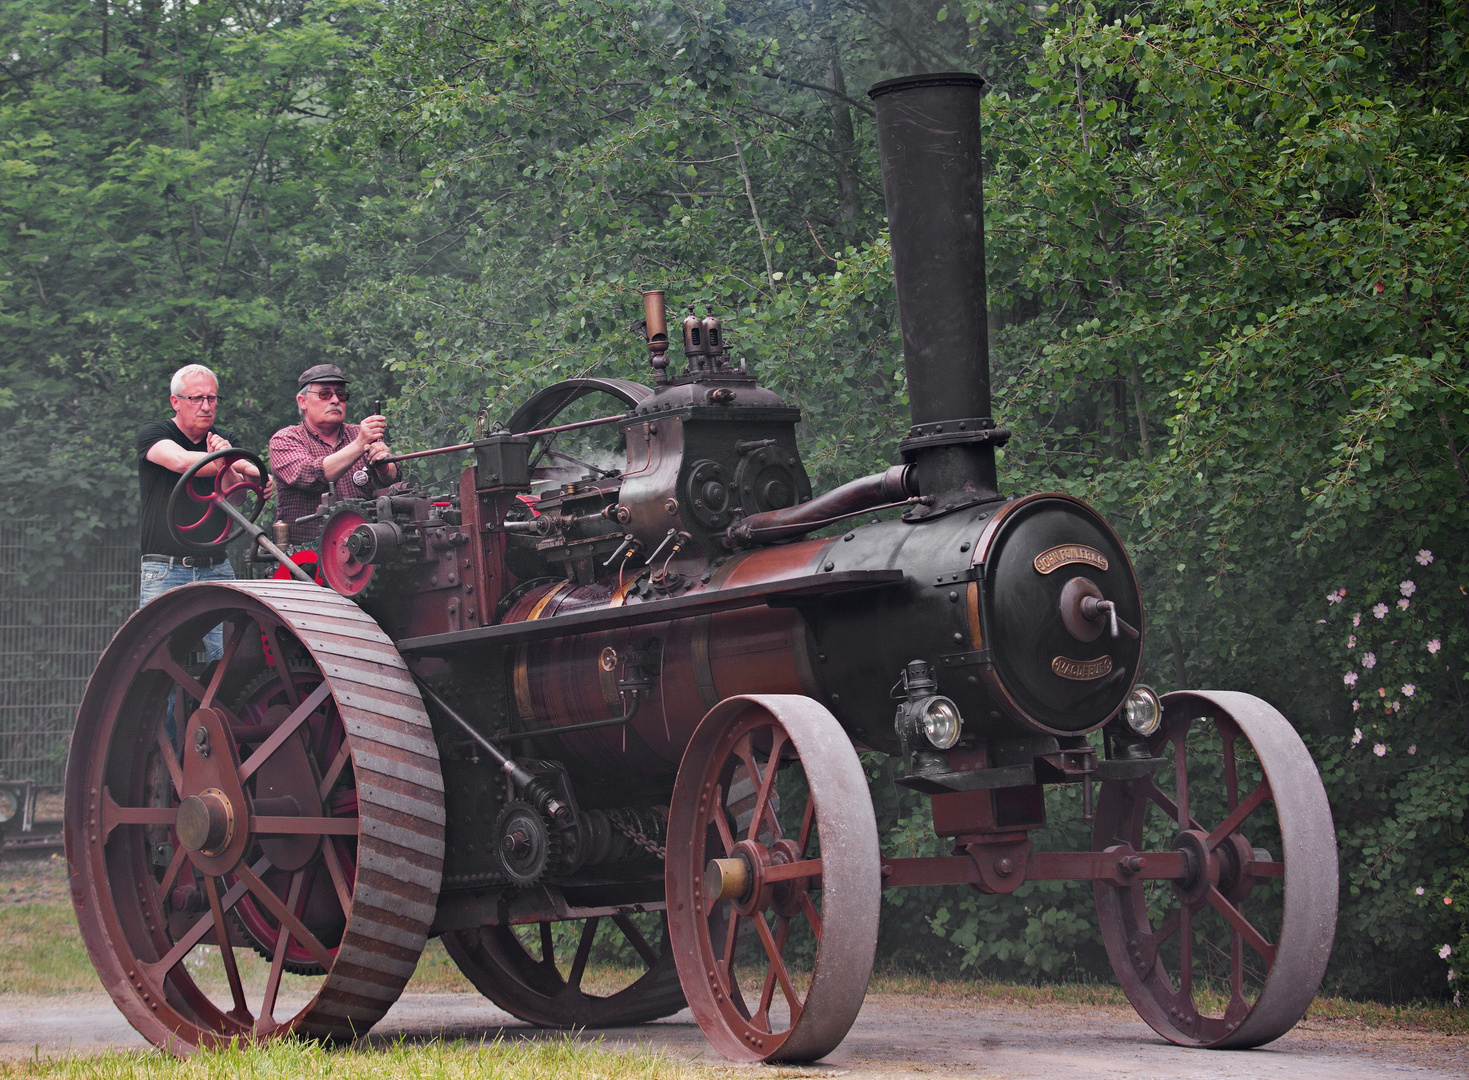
[184, 491]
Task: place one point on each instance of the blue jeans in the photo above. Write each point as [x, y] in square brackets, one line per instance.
[158, 578]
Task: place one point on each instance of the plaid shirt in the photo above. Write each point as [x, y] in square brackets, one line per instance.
[296, 454]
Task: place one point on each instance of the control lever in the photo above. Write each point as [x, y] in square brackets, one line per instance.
[1092, 608]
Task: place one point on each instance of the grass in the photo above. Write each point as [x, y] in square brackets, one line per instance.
[561, 1058]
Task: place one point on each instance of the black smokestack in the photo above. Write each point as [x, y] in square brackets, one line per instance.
[928, 140]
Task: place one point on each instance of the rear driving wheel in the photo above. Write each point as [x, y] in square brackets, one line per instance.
[286, 799]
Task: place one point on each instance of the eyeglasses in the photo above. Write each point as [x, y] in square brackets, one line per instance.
[326, 393]
[197, 400]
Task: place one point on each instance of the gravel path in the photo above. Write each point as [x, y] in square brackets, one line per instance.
[894, 1037]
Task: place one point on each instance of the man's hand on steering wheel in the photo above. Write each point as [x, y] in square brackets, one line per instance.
[239, 474]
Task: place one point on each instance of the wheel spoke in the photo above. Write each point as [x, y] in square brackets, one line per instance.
[159, 969]
[721, 822]
[180, 856]
[1169, 807]
[304, 825]
[288, 919]
[338, 876]
[813, 917]
[808, 819]
[548, 947]
[1241, 925]
[767, 991]
[170, 760]
[285, 731]
[282, 668]
[731, 942]
[1227, 736]
[1238, 814]
[114, 815]
[267, 1022]
[329, 781]
[163, 661]
[237, 635]
[1180, 773]
[635, 938]
[1186, 954]
[583, 953]
[241, 1011]
[767, 785]
[772, 950]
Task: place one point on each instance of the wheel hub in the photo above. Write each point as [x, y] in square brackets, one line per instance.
[1202, 862]
[206, 822]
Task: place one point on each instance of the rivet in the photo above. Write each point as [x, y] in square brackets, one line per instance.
[964, 546]
[828, 566]
[953, 597]
[958, 636]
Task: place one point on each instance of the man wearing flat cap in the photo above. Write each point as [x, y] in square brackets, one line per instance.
[324, 452]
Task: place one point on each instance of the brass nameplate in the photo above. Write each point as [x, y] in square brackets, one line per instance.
[1067, 554]
[1081, 670]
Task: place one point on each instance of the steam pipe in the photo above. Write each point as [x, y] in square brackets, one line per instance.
[893, 485]
[928, 138]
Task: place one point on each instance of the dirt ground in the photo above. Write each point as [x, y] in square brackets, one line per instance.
[894, 1037]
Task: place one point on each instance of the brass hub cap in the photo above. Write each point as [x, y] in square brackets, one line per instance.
[206, 822]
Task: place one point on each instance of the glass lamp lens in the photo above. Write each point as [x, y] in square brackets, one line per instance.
[1143, 712]
[9, 804]
[941, 723]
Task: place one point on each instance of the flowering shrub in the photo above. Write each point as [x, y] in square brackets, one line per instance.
[1402, 773]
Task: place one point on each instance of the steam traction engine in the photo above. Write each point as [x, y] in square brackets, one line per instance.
[605, 700]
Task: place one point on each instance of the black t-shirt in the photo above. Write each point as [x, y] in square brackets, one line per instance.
[155, 485]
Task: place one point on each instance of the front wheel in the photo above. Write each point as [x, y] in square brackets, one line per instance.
[1231, 954]
[773, 879]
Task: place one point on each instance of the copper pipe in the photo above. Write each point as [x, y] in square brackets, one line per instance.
[892, 486]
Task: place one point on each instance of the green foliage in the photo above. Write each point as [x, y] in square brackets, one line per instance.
[160, 192]
[1227, 252]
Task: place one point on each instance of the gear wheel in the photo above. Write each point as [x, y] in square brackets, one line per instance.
[528, 845]
[359, 581]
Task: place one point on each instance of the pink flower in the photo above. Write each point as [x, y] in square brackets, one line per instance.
[1402, 605]
[1424, 556]
[1356, 705]
[1434, 646]
[1382, 691]
[1380, 750]
[1419, 890]
[1409, 689]
[1379, 610]
[1356, 736]
[1369, 660]
[1350, 678]
[1448, 899]
[1407, 588]
[1396, 706]
[1357, 619]
[1445, 952]
[1413, 750]
[1335, 596]
[1351, 641]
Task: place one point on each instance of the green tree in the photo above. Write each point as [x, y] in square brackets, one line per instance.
[160, 191]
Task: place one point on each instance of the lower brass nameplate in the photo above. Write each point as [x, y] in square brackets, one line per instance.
[1081, 670]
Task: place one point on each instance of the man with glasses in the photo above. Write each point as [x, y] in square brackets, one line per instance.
[166, 448]
[324, 452]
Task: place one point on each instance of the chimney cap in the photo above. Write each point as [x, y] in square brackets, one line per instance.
[935, 78]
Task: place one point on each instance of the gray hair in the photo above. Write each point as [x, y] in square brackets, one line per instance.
[176, 384]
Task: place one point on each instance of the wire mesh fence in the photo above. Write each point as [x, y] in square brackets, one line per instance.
[53, 626]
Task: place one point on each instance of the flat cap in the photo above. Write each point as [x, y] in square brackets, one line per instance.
[321, 373]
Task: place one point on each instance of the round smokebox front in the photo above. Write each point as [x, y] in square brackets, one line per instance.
[1058, 587]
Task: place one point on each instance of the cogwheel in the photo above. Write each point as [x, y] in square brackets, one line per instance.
[528, 845]
[359, 581]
